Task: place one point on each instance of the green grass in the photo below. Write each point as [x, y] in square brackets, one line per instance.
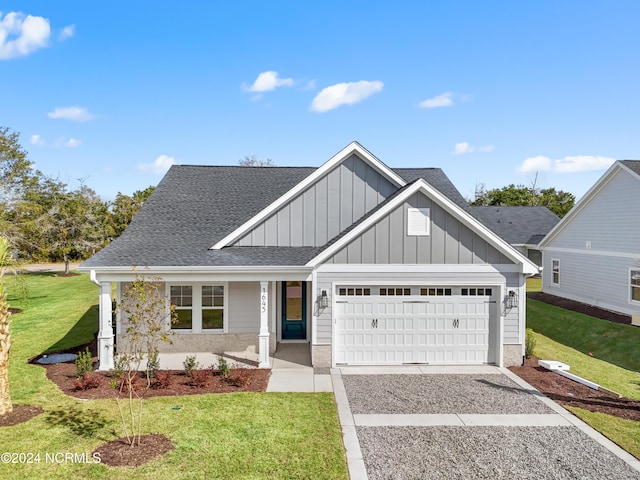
[569, 337]
[534, 284]
[612, 342]
[243, 435]
[625, 433]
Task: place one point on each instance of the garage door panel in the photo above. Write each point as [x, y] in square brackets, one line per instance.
[403, 328]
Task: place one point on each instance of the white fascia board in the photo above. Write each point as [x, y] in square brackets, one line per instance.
[527, 266]
[602, 253]
[239, 274]
[421, 268]
[584, 201]
[352, 148]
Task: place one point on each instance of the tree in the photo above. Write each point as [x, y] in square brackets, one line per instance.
[146, 318]
[15, 168]
[254, 161]
[7, 264]
[124, 208]
[558, 202]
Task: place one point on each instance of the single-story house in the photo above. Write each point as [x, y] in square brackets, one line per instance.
[367, 264]
[522, 227]
[600, 235]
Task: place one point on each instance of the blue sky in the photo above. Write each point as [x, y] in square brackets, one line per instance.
[114, 92]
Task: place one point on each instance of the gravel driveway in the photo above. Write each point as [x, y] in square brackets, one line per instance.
[446, 451]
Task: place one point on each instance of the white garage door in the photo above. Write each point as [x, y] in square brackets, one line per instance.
[397, 325]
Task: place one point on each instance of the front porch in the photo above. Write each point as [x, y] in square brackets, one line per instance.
[253, 316]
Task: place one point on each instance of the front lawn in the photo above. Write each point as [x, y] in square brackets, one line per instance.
[598, 350]
[240, 435]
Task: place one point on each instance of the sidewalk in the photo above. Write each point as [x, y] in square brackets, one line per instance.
[291, 371]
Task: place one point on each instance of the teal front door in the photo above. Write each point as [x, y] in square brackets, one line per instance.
[294, 310]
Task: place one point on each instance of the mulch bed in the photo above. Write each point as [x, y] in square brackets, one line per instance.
[580, 307]
[118, 453]
[573, 394]
[20, 414]
[251, 380]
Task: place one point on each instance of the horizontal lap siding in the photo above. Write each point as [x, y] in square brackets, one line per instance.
[593, 279]
[333, 203]
[609, 221]
[244, 307]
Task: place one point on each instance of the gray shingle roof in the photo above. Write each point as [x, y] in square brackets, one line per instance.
[633, 165]
[517, 225]
[193, 207]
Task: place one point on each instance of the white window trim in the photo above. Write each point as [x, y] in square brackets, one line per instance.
[555, 284]
[196, 319]
[631, 300]
[418, 215]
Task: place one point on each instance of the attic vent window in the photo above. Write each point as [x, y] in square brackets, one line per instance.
[418, 221]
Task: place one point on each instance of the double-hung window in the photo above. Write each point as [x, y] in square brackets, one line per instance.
[200, 308]
[555, 272]
[634, 285]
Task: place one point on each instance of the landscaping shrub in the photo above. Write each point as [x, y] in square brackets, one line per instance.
[153, 363]
[163, 379]
[199, 377]
[223, 366]
[529, 343]
[239, 378]
[84, 363]
[190, 364]
[86, 381]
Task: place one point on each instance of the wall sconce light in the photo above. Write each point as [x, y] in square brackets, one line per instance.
[511, 300]
[323, 301]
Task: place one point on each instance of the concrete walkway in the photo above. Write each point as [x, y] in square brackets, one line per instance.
[291, 371]
[350, 421]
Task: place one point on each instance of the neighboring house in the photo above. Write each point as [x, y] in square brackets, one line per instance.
[522, 227]
[368, 265]
[593, 254]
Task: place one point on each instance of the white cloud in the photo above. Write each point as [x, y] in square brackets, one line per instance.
[463, 148]
[159, 165]
[582, 163]
[72, 142]
[344, 94]
[21, 35]
[268, 81]
[443, 100]
[67, 32]
[37, 140]
[78, 114]
[569, 164]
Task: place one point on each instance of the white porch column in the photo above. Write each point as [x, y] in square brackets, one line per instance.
[263, 338]
[105, 334]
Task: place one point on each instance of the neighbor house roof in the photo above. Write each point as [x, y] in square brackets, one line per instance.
[517, 225]
[633, 165]
[193, 207]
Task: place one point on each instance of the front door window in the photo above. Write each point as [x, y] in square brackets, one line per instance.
[294, 321]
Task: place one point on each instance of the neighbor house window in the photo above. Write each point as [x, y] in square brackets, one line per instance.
[199, 307]
[634, 280]
[555, 272]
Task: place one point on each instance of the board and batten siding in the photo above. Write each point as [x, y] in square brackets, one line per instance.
[600, 280]
[324, 281]
[609, 222]
[449, 241]
[330, 205]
